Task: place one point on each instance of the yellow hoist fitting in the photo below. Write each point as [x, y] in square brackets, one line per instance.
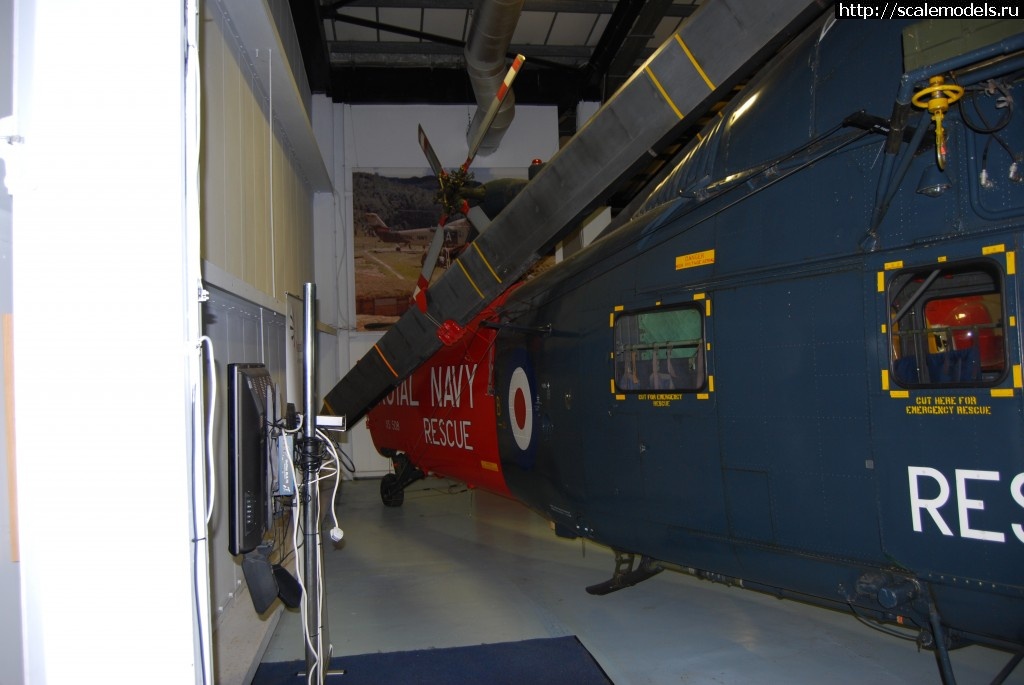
[936, 98]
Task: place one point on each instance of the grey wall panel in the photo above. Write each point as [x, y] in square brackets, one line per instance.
[241, 332]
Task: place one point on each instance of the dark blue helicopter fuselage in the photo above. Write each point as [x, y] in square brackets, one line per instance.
[784, 374]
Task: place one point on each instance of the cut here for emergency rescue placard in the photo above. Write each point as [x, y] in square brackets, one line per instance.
[947, 405]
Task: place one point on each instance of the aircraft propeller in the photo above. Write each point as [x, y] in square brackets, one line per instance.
[452, 182]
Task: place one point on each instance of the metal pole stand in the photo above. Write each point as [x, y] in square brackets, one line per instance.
[308, 458]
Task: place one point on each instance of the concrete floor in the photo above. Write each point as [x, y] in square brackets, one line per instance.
[453, 567]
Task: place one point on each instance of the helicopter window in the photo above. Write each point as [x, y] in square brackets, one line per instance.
[659, 350]
[946, 326]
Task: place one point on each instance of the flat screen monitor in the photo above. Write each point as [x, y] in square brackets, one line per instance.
[251, 399]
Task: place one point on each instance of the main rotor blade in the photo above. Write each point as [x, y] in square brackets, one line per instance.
[492, 111]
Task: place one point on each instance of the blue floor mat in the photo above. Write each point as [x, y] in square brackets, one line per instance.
[545, 661]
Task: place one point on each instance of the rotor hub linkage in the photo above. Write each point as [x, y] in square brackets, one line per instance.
[937, 98]
[450, 185]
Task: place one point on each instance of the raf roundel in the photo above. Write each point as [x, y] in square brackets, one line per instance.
[520, 408]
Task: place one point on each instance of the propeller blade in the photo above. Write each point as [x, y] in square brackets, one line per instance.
[492, 111]
[428, 151]
[478, 218]
[419, 295]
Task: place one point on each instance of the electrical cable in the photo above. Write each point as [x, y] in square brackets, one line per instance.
[348, 463]
[190, 175]
[209, 481]
[196, 540]
[300, 573]
[211, 485]
[318, 648]
[1005, 116]
[337, 476]
[878, 626]
[1005, 103]
[297, 428]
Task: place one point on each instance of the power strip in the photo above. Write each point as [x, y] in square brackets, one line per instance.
[285, 448]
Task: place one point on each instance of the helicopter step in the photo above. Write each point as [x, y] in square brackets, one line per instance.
[393, 485]
[625, 574]
[1008, 669]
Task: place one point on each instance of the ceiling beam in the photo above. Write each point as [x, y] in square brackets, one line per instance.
[419, 85]
[535, 60]
[571, 6]
[381, 54]
[632, 48]
[309, 30]
[592, 6]
[610, 42]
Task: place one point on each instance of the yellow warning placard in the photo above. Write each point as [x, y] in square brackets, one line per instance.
[688, 261]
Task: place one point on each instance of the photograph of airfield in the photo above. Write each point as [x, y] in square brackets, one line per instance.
[395, 214]
[386, 269]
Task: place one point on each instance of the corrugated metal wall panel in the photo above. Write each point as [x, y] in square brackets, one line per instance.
[257, 204]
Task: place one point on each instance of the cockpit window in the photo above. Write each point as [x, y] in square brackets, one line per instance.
[659, 350]
[946, 326]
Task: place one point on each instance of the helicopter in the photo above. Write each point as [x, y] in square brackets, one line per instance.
[795, 368]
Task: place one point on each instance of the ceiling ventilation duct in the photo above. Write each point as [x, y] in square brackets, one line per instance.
[494, 22]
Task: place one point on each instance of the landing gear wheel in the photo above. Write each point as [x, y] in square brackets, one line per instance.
[391, 493]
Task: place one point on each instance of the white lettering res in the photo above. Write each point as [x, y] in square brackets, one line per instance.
[931, 505]
[964, 504]
[1017, 490]
[962, 476]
